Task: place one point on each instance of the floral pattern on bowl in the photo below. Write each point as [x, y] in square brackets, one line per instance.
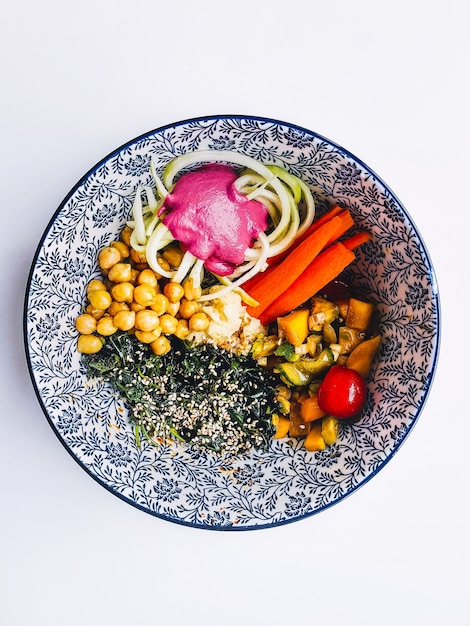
[262, 489]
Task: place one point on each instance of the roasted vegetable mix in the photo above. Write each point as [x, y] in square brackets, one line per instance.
[323, 353]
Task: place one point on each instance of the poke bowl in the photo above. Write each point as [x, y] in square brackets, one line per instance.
[281, 481]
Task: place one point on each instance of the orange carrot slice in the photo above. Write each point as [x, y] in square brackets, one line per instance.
[275, 260]
[347, 223]
[324, 268]
[356, 240]
[280, 277]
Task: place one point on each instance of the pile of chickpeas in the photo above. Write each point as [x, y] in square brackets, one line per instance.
[132, 297]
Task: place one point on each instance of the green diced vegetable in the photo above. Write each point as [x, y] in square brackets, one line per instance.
[305, 370]
[287, 351]
[264, 346]
[349, 338]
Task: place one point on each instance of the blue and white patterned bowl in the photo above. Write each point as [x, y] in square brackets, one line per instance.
[286, 483]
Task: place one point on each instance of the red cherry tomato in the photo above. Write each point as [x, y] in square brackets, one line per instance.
[342, 393]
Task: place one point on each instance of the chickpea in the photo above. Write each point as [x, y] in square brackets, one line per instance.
[116, 306]
[108, 257]
[124, 320]
[145, 295]
[173, 256]
[188, 308]
[135, 306]
[199, 322]
[148, 337]
[168, 324]
[100, 299]
[190, 291]
[160, 346]
[147, 320]
[140, 267]
[122, 247]
[123, 292]
[95, 285]
[85, 324]
[134, 275]
[89, 344]
[163, 263]
[138, 257]
[96, 313]
[182, 329]
[161, 304]
[120, 273]
[173, 308]
[147, 277]
[106, 326]
[126, 235]
[173, 291]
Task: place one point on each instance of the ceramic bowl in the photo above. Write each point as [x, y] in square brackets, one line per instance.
[285, 483]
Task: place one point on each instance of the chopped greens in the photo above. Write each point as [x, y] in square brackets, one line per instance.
[202, 395]
[286, 350]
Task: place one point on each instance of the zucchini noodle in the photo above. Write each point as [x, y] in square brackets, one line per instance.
[288, 200]
[249, 274]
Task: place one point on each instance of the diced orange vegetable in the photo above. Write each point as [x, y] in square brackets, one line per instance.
[295, 326]
[309, 409]
[282, 427]
[314, 440]
[361, 357]
[359, 314]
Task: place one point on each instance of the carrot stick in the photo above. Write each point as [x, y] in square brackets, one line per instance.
[252, 285]
[323, 218]
[326, 217]
[276, 260]
[257, 278]
[259, 283]
[324, 268]
[347, 223]
[356, 240]
[278, 279]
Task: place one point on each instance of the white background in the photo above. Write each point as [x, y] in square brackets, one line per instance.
[388, 81]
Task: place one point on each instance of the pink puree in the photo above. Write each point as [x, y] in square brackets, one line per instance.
[212, 219]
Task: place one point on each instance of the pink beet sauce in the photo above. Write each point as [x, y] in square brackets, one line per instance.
[211, 219]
